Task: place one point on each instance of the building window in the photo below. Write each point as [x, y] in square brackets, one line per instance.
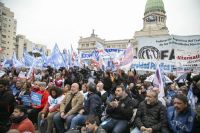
[2, 41]
[4, 36]
[87, 45]
[4, 25]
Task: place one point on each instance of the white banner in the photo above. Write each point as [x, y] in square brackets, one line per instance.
[183, 50]
[187, 52]
[150, 65]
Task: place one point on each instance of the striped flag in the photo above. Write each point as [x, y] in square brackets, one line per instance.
[158, 81]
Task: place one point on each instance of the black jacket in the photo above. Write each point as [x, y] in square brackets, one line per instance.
[7, 101]
[151, 116]
[124, 111]
[92, 105]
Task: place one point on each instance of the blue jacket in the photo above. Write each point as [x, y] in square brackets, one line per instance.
[183, 122]
[92, 105]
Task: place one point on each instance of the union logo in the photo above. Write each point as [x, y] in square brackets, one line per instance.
[148, 52]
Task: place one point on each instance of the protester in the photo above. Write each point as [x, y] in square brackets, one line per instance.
[92, 123]
[25, 92]
[196, 87]
[104, 94]
[107, 82]
[151, 115]
[20, 120]
[7, 101]
[70, 106]
[51, 108]
[37, 106]
[180, 116]
[120, 112]
[92, 106]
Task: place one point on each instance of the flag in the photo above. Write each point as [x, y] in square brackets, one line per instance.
[31, 72]
[16, 63]
[44, 58]
[56, 59]
[27, 59]
[158, 81]
[192, 99]
[65, 56]
[128, 56]
[100, 54]
[74, 57]
[36, 49]
[100, 48]
[69, 59]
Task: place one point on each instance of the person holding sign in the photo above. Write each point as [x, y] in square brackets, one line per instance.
[39, 97]
[24, 95]
[51, 108]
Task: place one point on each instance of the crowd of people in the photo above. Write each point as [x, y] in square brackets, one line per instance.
[84, 100]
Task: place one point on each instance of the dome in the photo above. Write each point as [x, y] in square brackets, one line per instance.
[154, 5]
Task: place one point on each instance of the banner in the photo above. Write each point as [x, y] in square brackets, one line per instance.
[154, 48]
[26, 99]
[128, 56]
[150, 65]
[36, 98]
[183, 50]
[187, 52]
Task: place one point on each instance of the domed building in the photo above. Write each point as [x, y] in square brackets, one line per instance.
[154, 21]
[154, 24]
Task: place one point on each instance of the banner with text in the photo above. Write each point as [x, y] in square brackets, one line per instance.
[36, 98]
[183, 50]
[150, 65]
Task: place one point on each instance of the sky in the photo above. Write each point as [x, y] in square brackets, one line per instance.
[65, 21]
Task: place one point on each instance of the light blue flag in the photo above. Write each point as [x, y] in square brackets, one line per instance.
[43, 58]
[56, 59]
[16, 63]
[28, 59]
[69, 58]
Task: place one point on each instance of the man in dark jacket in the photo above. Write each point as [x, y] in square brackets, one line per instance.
[120, 112]
[6, 105]
[92, 106]
[151, 115]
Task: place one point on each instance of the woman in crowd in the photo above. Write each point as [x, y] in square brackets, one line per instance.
[51, 108]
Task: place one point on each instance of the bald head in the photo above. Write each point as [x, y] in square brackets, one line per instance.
[74, 88]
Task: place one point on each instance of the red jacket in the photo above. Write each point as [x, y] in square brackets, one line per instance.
[44, 100]
[25, 126]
